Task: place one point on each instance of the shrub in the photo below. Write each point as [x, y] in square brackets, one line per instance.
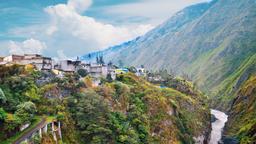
[26, 111]
[2, 97]
[3, 115]
[82, 72]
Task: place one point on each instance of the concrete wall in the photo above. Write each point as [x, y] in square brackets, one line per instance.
[65, 66]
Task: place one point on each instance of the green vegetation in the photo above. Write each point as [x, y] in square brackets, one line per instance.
[131, 110]
[25, 111]
[228, 88]
[24, 101]
[242, 118]
[82, 72]
[126, 110]
[3, 115]
[215, 49]
[16, 99]
[17, 135]
[215, 45]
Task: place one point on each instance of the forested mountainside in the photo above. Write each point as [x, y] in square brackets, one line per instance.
[214, 43]
[126, 110]
[242, 119]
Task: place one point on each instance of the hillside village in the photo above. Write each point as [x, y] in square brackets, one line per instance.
[39, 107]
[96, 70]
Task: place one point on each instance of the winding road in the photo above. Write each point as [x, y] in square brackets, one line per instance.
[29, 133]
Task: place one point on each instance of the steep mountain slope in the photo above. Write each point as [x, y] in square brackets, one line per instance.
[229, 87]
[208, 41]
[242, 118]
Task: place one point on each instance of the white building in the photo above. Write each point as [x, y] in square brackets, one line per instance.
[98, 70]
[40, 62]
[111, 71]
[140, 72]
[13, 58]
[68, 65]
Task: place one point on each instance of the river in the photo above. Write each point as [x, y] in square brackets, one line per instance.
[217, 126]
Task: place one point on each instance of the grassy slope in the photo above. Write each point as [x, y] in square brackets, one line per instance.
[220, 73]
[210, 47]
[227, 89]
[242, 118]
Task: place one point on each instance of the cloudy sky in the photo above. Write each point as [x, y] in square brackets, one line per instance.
[68, 28]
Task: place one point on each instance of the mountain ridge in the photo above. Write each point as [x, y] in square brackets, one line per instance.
[209, 45]
[160, 29]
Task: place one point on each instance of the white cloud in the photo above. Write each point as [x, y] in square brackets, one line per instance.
[29, 46]
[156, 11]
[79, 5]
[52, 29]
[61, 55]
[67, 21]
[68, 33]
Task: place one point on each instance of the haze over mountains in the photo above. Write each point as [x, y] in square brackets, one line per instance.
[213, 42]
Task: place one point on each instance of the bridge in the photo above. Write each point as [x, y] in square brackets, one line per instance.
[54, 127]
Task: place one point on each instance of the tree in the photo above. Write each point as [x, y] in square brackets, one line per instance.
[97, 60]
[3, 115]
[90, 113]
[12, 123]
[26, 111]
[33, 93]
[82, 72]
[122, 129]
[101, 60]
[109, 77]
[2, 97]
[60, 116]
[132, 69]
[88, 81]
[36, 139]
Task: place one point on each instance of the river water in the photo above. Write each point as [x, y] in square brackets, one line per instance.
[217, 126]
